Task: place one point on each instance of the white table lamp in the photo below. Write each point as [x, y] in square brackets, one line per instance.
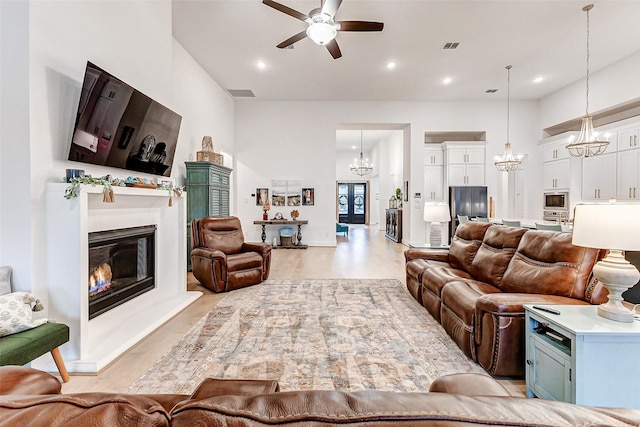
[435, 213]
[615, 227]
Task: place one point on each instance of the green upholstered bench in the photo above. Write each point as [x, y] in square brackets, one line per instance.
[23, 347]
[342, 228]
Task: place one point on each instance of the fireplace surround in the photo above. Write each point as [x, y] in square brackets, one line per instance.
[96, 342]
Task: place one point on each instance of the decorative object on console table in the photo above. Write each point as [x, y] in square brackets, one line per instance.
[614, 227]
[207, 186]
[435, 214]
[265, 208]
[393, 226]
[295, 214]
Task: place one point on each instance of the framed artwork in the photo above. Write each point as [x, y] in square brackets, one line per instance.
[262, 196]
[294, 193]
[278, 192]
[307, 197]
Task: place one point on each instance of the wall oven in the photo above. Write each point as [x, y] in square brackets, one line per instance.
[556, 206]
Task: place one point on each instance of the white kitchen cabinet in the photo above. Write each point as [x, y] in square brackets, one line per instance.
[556, 174]
[465, 163]
[433, 183]
[628, 175]
[556, 151]
[465, 155]
[598, 177]
[628, 139]
[433, 156]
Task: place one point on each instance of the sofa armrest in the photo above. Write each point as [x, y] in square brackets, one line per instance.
[261, 248]
[432, 254]
[212, 387]
[468, 385]
[27, 381]
[511, 303]
[212, 254]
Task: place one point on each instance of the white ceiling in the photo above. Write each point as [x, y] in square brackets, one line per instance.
[539, 38]
[544, 38]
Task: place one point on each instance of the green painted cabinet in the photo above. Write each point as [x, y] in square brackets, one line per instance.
[207, 186]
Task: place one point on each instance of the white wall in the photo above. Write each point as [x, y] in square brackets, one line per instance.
[296, 140]
[133, 41]
[609, 87]
[15, 168]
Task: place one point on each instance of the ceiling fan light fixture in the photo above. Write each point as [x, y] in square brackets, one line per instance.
[321, 32]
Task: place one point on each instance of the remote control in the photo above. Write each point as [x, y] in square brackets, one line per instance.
[547, 309]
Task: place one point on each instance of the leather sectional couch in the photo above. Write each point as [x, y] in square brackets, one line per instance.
[476, 288]
[31, 397]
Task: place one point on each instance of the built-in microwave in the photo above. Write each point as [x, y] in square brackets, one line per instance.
[557, 201]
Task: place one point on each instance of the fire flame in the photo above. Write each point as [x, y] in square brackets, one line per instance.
[100, 279]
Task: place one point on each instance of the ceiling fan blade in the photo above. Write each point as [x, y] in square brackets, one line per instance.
[333, 48]
[285, 9]
[360, 26]
[330, 7]
[291, 40]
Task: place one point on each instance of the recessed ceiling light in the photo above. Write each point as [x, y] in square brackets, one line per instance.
[446, 80]
[538, 79]
[261, 65]
[391, 65]
[353, 147]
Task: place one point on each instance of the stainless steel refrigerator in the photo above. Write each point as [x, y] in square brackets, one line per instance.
[470, 201]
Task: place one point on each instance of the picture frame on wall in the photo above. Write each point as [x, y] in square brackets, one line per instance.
[262, 196]
[308, 197]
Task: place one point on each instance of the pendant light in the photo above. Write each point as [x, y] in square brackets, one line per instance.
[507, 162]
[587, 144]
[361, 166]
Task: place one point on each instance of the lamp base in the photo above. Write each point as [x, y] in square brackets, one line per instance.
[617, 275]
[435, 234]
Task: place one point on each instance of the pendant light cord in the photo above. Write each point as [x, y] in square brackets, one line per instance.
[587, 9]
[508, 67]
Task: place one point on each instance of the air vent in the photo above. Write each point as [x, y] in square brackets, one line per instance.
[450, 45]
[491, 90]
[241, 93]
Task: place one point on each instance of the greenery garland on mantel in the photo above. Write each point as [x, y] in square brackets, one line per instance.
[73, 190]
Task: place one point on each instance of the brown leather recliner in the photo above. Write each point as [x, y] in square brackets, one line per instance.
[221, 260]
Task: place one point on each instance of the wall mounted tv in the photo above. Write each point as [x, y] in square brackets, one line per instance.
[118, 126]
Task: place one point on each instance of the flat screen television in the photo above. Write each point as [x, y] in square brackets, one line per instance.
[118, 126]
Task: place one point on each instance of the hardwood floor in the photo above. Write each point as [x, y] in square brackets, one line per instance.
[365, 254]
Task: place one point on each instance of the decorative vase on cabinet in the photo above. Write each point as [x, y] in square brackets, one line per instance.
[207, 186]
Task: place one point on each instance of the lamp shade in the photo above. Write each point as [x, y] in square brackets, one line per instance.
[436, 212]
[607, 226]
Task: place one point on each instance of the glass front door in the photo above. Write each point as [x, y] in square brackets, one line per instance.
[352, 202]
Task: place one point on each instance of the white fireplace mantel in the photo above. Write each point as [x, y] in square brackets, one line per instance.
[97, 342]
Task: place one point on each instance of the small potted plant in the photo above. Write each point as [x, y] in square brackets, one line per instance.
[295, 214]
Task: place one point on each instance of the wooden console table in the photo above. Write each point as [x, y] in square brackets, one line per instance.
[298, 222]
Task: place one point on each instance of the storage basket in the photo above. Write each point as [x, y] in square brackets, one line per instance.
[287, 236]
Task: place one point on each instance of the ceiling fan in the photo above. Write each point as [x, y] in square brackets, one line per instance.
[323, 27]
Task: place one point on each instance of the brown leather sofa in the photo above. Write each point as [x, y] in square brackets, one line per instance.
[31, 397]
[221, 260]
[477, 287]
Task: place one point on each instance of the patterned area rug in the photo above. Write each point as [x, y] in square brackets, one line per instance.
[313, 334]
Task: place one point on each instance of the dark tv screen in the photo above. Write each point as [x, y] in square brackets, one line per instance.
[118, 126]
